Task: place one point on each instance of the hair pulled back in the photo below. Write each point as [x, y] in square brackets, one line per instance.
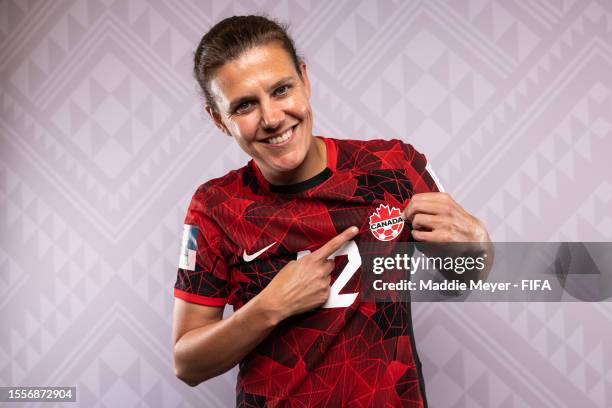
[231, 37]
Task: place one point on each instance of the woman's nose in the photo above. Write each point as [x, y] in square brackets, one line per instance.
[271, 115]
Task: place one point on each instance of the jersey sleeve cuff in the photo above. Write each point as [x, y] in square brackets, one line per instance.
[201, 300]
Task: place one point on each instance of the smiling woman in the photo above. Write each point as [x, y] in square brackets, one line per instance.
[263, 102]
[280, 240]
[257, 90]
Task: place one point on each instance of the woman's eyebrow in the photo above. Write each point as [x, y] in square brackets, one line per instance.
[250, 98]
[280, 82]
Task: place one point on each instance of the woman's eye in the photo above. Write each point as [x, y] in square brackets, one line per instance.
[281, 90]
[243, 107]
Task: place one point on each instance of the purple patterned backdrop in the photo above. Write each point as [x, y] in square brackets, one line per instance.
[103, 140]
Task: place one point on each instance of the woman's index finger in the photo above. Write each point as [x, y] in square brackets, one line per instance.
[335, 243]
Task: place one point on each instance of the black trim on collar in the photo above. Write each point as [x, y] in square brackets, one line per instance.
[302, 185]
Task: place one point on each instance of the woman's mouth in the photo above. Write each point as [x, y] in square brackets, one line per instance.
[282, 139]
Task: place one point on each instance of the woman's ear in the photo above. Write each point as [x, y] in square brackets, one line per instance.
[216, 118]
[304, 75]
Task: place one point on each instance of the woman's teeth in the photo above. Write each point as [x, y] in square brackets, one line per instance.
[280, 139]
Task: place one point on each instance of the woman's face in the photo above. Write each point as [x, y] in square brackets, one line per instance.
[262, 102]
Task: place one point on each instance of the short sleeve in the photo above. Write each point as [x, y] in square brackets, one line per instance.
[202, 275]
[420, 171]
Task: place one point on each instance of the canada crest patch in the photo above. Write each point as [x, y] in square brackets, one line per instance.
[386, 223]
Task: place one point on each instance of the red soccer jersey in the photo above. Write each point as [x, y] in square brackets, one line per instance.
[240, 231]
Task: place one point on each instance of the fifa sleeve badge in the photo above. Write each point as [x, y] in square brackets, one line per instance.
[189, 247]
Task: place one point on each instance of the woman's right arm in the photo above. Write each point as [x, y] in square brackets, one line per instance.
[206, 345]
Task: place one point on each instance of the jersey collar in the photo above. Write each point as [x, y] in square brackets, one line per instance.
[302, 186]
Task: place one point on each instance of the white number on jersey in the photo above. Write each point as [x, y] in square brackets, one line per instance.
[354, 262]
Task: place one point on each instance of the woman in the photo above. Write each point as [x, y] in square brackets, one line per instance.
[280, 240]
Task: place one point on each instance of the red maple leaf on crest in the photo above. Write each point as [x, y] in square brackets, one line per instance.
[383, 212]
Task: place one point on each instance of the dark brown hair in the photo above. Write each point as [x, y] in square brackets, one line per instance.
[229, 38]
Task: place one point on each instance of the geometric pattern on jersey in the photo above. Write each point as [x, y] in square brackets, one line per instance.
[362, 355]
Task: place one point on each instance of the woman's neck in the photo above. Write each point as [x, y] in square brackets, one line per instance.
[314, 163]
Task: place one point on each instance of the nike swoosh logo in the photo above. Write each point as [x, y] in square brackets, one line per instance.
[249, 258]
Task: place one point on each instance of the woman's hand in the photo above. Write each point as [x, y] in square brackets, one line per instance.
[304, 284]
[436, 217]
